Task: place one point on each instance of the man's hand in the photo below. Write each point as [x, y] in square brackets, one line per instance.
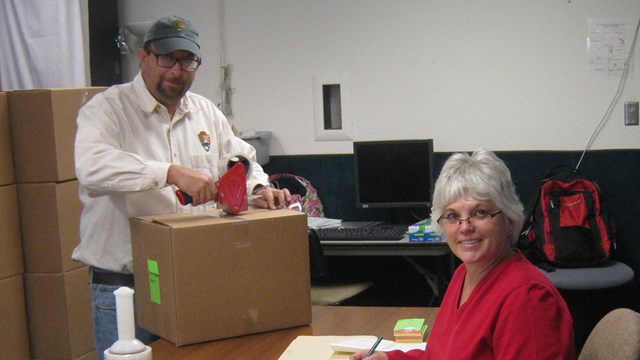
[198, 185]
[272, 198]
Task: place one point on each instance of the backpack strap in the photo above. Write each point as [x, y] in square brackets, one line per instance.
[523, 241]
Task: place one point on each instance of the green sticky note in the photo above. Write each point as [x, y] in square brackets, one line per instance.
[409, 325]
[154, 281]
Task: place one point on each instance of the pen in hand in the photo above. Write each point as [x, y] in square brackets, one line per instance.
[373, 348]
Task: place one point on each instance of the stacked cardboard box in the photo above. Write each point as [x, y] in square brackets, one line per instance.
[43, 127]
[7, 174]
[14, 342]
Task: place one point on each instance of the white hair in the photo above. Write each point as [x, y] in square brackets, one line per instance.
[481, 176]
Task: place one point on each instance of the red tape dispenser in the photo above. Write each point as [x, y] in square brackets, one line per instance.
[232, 191]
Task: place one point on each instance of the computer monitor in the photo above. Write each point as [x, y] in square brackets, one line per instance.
[393, 173]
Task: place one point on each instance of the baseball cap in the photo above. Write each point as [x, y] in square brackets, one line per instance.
[173, 33]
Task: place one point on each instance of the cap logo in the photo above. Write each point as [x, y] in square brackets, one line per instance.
[205, 140]
[178, 25]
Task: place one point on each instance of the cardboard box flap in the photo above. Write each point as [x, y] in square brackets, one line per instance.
[182, 220]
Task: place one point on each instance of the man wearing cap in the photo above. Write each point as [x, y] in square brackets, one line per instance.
[135, 145]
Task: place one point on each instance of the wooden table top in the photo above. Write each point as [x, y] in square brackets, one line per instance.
[327, 320]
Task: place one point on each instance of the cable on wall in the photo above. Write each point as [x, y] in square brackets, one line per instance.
[623, 78]
[225, 69]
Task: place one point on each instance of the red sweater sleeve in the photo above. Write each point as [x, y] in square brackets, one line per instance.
[543, 331]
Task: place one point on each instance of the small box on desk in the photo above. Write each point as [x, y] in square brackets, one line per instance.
[423, 232]
[202, 278]
[410, 330]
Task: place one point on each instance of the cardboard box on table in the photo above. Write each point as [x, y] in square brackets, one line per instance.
[43, 128]
[12, 262]
[59, 314]
[50, 225]
[7, 174]
[201, 278]
[14, 342]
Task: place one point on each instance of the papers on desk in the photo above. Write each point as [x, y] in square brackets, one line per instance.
[319, 222]
[328, 347]
[356, 343]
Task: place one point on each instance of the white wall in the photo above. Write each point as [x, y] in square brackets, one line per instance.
[502, 74]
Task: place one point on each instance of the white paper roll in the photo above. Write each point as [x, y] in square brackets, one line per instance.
[127, 342]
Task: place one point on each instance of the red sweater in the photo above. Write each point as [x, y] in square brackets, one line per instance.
[515, 312]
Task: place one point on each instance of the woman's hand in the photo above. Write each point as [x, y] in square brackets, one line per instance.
[378, 355]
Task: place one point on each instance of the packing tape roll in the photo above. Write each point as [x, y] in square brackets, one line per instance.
[228, 161]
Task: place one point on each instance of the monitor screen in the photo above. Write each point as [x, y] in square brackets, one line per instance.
[393, 173]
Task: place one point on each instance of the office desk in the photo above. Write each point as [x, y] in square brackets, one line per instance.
[402, 248]
[327, 320]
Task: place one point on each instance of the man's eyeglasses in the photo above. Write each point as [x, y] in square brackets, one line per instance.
[167, 61]
[479, 217]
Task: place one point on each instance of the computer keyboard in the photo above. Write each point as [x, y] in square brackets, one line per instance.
[370, 233]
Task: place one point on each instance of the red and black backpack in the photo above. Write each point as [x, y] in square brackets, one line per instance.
[568, 223]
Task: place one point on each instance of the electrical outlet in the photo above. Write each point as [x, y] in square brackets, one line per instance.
[631, 113]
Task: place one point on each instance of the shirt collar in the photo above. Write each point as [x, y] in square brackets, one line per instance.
[149, 104]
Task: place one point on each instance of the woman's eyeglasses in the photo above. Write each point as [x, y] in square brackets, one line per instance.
[478, 218]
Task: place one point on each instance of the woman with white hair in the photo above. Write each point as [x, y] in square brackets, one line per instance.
[498, 305]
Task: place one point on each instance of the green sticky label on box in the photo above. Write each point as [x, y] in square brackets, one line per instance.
[154, 281]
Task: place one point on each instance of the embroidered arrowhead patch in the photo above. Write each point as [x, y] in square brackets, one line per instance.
[205, 140]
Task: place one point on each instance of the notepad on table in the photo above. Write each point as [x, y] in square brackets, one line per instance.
[355, 344]
[410, 330]
[326, 347]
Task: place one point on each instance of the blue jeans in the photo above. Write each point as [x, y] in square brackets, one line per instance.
[105, 324]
